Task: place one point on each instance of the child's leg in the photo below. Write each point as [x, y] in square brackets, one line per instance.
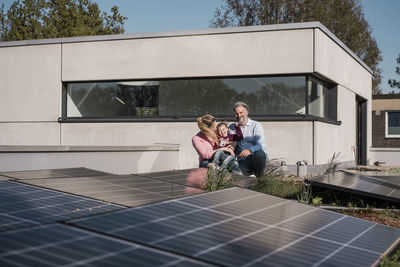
[218, 156]
[227, 160]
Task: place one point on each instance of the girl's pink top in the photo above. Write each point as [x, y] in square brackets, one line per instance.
[203, 146]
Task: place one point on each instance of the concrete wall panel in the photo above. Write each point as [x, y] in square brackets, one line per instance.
[334, 62]
[37, 133]
[113, 162]
[131, 134]
[290, 141]
[30, 83]
[274, 52]
[331, 138]
[391, 156]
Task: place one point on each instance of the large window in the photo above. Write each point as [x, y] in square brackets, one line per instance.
[284, 95]
[392, 125]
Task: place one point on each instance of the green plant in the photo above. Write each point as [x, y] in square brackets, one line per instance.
[218, 179]
[392, 260]
[333, 164]
[304, 195]
[316, 201]
[274, 182]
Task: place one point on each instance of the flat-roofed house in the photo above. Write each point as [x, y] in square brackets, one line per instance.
[129, 103]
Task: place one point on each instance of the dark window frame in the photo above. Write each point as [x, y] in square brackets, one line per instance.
[187, 118]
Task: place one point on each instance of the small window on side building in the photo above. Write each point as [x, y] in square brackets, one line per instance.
[392, 124]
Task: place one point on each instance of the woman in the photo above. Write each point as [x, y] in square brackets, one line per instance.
[206, 142]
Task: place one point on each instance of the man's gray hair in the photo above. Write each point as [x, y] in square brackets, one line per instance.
[239, 103]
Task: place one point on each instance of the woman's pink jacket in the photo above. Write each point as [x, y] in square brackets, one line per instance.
[203, 146]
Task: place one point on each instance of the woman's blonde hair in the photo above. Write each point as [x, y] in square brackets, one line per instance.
[204, 123]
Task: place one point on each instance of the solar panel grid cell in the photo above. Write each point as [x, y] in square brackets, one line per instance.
[252, 234]
[63, 245]
[24, 205]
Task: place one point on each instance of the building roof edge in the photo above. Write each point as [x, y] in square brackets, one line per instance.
[180, 33]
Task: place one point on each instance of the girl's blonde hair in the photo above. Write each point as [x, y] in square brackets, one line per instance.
[204, 123]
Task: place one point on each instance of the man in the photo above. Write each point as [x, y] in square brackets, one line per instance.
[251, 149]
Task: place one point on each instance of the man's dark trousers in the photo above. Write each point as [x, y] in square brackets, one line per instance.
[254, 163]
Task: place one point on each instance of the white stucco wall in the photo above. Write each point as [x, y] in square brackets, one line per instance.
[271, 52]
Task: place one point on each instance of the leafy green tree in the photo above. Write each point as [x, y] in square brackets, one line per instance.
[37, 19]
[392, 82]
[344, 18]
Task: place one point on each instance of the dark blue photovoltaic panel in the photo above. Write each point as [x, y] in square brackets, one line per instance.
[386, 188]
[56, 245]
[24, 205]
[262, 230]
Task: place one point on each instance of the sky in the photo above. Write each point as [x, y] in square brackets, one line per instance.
[172, 15]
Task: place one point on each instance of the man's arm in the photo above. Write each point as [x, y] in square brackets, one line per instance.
[259, 138]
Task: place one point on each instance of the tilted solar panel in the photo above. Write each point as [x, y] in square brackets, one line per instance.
[239, 227]
[128, 190]
[24, 205]
[387, 188]
[53, 173]
[60, 245]
[192, 177]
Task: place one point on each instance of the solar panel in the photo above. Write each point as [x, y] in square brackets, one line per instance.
[241, 227]
[128, 190]
[387, 188]
[56, 245]
[24, 205]
[53, 173]
[191, 177]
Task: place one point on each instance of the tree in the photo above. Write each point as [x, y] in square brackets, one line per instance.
[394, 83]
[37, 19]
[344, 18]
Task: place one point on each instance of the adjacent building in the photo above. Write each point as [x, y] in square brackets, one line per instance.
[133, 99]
[386, 129]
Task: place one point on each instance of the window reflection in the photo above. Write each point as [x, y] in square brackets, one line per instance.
[194, 97]
[321, 100]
